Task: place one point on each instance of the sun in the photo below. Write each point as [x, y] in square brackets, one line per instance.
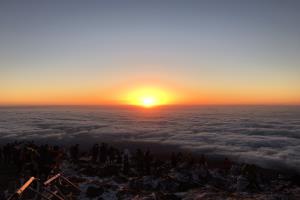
[148, 102]
[148, 97]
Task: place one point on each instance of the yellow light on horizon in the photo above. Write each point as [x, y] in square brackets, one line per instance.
[148, 102]
[148, 97]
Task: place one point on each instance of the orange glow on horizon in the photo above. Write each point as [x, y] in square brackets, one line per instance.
[146, 94]
[148, 97]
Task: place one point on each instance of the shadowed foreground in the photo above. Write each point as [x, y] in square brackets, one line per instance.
[107, 172]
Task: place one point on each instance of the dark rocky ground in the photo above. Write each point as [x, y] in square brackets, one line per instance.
[181, 182]
[106, 172]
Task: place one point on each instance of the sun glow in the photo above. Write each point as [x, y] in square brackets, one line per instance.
[148, 97]
[148, 101]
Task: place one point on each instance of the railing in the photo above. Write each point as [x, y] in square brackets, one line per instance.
[45, 192]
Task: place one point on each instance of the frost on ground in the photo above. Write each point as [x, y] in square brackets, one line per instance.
[182, 182]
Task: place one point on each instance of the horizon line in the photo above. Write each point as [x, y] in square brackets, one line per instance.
[130, 105]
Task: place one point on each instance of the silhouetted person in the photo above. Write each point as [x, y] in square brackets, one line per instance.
[45, 160]
[174, 160]
[157, 166]
[75, 152]
[148, 162]
[139, 158]
[1, 155]
[227, 164]
[126, 164]
[103, 153]
[56, 157]
[7, 152]
[179, 157]
[203, 161]
[111, 155]
[250, 171]
[190, 160]
[118, 157]
[95, 152]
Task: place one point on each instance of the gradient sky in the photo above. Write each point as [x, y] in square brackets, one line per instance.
[202, 52]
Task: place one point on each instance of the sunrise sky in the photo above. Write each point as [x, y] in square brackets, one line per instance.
[128, 52]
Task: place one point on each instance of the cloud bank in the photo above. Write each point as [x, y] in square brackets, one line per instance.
[267, 136]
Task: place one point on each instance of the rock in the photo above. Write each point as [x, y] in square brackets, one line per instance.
[167, 196]
[2, 195]
[242, 184]
[111, 195]
[195, 178]
[76, 179]
[136, 184]
[150, 182]
[182, 177]
[119, 179]
[93, 192]
[125, 193]
[235, 170]
[279, 197]
[110, 186]
[88, 171]
[107, 171]
[217, 180]
[168, 185]
[146, 197]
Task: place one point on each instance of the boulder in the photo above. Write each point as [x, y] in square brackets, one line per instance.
[168, 185]
[93, 192]
[242, 183]
[107, 171]
[88, 171]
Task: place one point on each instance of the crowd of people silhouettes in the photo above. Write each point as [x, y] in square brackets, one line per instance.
[31, 159]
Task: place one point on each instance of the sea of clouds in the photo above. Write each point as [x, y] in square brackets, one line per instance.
[268, 136]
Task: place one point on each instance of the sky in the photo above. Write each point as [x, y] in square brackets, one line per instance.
[196, 52]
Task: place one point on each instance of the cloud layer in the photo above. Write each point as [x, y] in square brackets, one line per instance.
[268, 136]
